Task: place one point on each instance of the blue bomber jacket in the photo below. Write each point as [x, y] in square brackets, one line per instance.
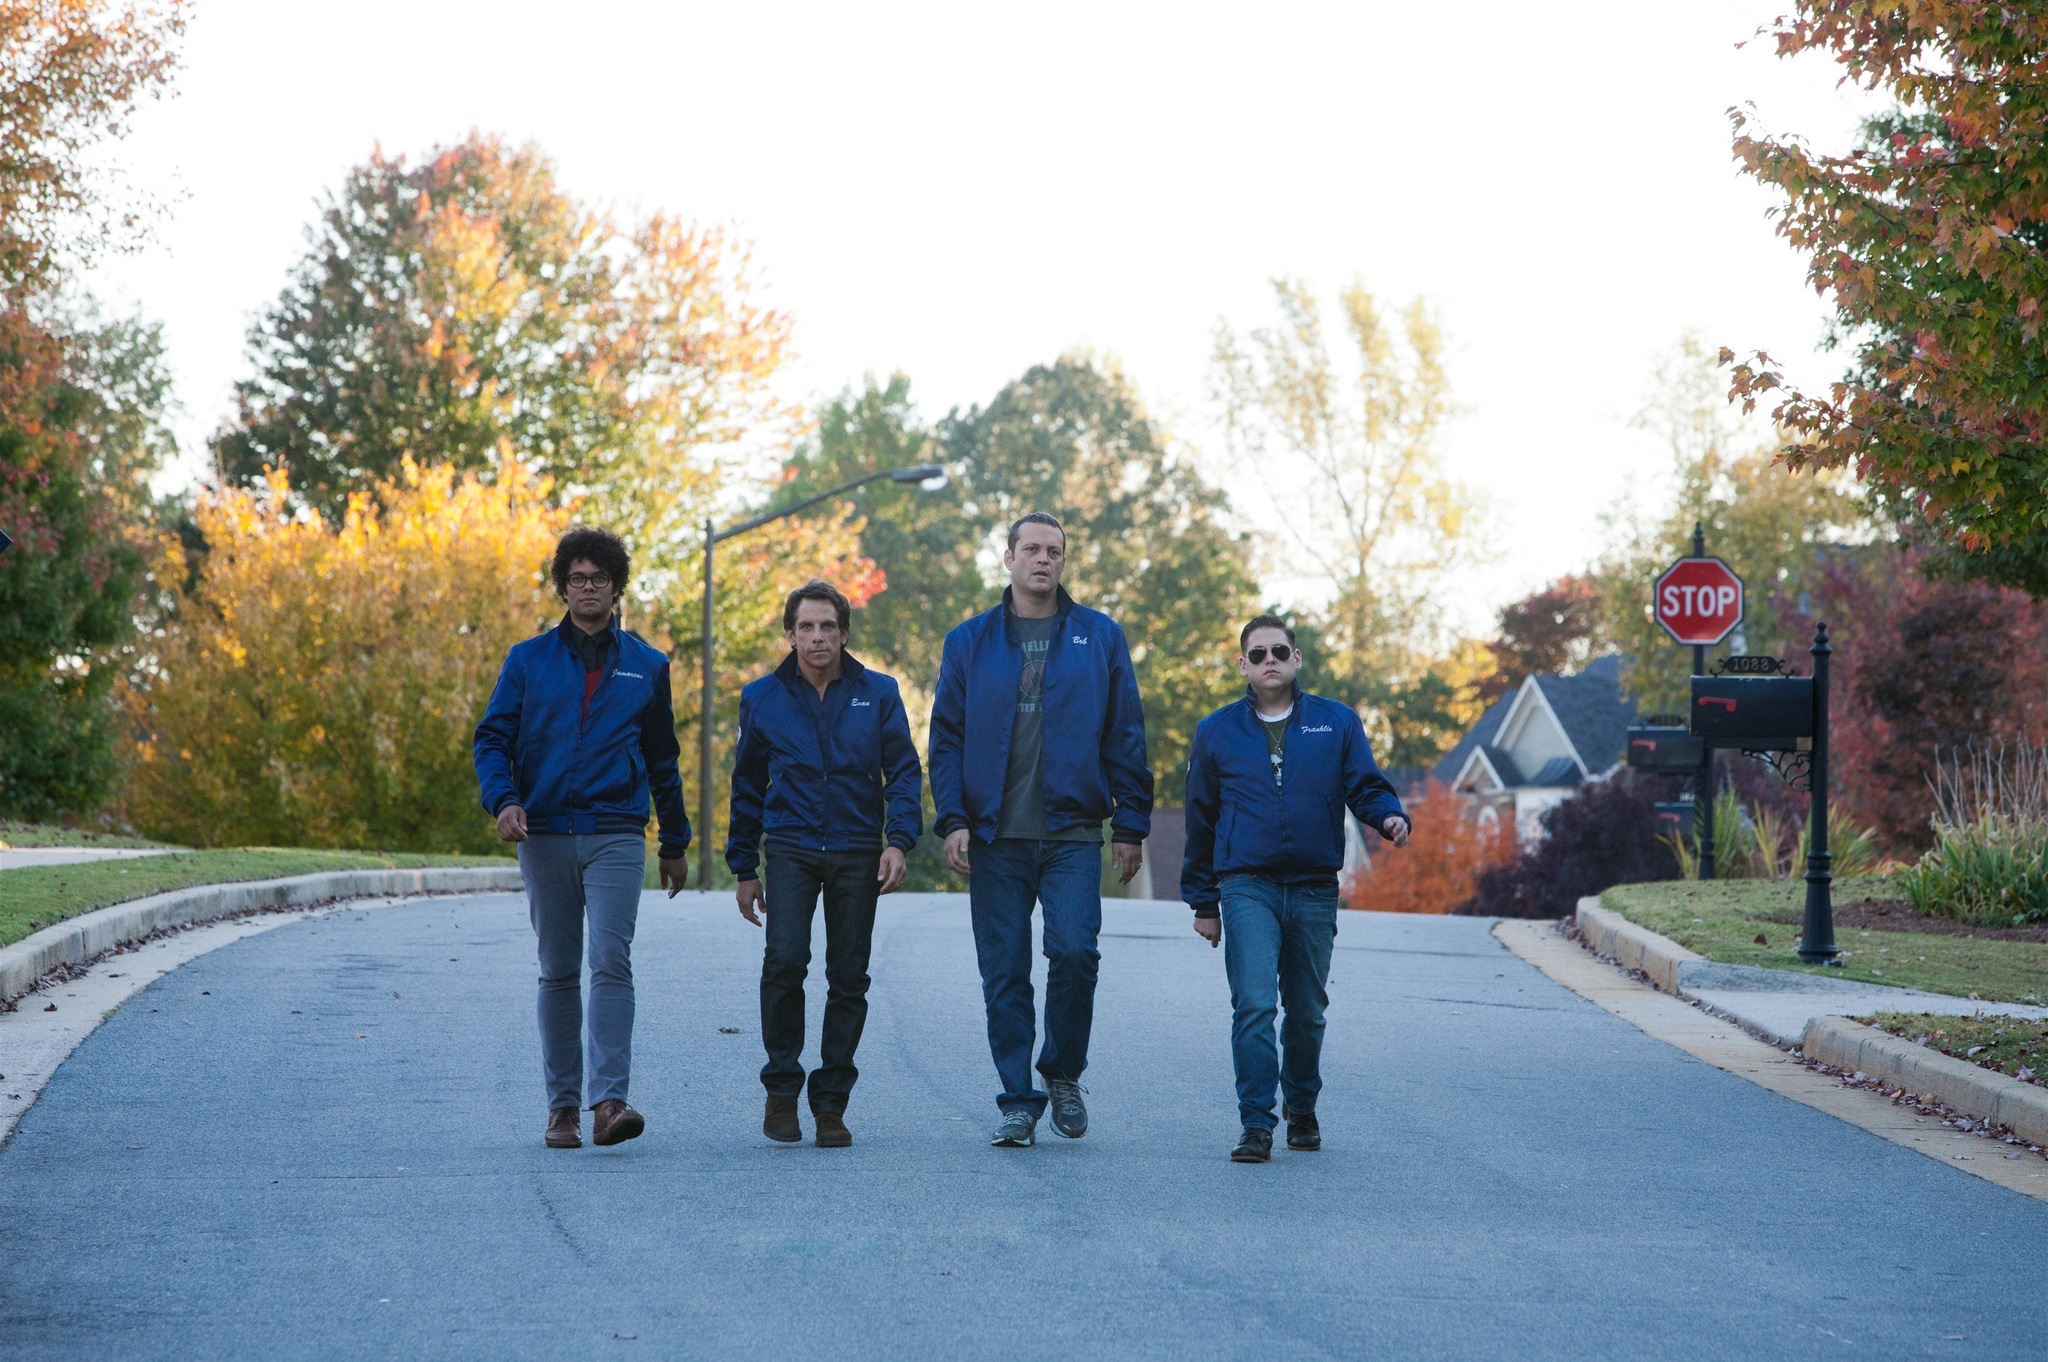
[1094, 754]
[843, 780]
[1240, 822]
[578, 768]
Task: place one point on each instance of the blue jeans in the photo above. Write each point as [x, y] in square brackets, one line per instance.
[1065, 880]
[1277, 941]
[572, 878]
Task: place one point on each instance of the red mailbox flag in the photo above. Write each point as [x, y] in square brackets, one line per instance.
[1698, 601]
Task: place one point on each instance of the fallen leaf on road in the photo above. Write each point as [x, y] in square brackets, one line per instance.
[361, 1036]
[728, 1030]
[51, 1008]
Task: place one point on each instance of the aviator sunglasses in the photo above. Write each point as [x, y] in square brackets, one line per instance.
[1281, 652]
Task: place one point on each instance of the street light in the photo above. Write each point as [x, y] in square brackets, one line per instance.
[929, 477]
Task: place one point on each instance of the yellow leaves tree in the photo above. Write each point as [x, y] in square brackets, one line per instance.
[317, 684]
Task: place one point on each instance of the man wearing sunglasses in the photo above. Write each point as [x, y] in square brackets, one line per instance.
[577, 738]
[1269, 779]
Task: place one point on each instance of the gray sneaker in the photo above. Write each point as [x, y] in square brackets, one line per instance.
[1019, 1130]
[1069, 1115]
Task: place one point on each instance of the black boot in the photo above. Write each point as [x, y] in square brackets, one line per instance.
[1254, 1146]
[780, 1122]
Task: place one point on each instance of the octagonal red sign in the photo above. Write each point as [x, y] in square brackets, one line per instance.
[1698, 600]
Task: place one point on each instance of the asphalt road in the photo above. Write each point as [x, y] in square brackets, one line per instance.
[324, 1141]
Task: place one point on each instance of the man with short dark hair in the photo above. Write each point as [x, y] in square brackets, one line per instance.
[1269, 778]
[825, 767]
[578, 736]
[1037, 737]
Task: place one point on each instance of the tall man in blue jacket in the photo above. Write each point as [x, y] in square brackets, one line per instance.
[1037, 737]
[1269, 778]
[825, 766]
[577, 735]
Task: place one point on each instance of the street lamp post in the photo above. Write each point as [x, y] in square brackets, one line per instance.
[930, 478]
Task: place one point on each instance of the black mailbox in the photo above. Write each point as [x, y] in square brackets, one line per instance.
[1674, 819]
[1753, 713]
[1656, 748]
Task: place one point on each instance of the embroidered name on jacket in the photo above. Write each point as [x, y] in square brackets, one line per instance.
[860, 704]
[1078, 639]
[1320, 728]
[635, 675]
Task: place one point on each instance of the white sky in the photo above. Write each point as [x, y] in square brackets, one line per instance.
[962, 191]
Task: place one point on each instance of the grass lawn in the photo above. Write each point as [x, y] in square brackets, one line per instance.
[1754, 922]
[2014, 1047]
[34, 897]
[14, 836]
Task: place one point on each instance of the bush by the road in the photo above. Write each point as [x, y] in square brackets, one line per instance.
[1604, 835]
[1989, 862]
[1441, 865]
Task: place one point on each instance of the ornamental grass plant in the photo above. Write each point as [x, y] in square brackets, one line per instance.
[1989, 863]
[1759, 842]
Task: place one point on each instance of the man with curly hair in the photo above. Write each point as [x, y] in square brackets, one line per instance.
[578, 737]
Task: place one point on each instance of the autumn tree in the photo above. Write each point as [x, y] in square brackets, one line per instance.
[1930, 239]
[318, 684]
[1368, 502]
[1553, 630]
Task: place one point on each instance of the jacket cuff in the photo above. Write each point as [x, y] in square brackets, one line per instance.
[1207, 909]
[903, 842]
[746, 876]
[671, 851]
[948, 825]
[1136, 839]
[499, 807]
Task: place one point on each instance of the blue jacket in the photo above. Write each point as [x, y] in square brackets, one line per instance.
[1094, 763]
[578, 772]
[823, 785]
[1239, 821]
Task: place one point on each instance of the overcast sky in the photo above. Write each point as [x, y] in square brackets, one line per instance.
[962, 191]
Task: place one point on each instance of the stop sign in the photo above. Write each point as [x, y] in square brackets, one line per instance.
[1698, 600]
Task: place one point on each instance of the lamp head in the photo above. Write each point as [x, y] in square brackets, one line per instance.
[929, 477]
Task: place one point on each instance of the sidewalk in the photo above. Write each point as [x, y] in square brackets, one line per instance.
[20, 858]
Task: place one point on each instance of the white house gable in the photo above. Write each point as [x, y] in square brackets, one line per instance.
[1532, 734]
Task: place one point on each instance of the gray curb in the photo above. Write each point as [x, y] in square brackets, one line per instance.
[1960, 1085]
[82, 938]
[1637, 948]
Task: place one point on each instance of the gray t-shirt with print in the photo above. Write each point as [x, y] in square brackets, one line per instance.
[1023, 812]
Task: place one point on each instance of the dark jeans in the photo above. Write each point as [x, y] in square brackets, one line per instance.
[1277, 941]
[1064, 879]
[793, 881]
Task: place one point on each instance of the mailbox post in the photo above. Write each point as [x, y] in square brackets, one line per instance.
[1817, 937]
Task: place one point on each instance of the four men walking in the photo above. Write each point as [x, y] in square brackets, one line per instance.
[1037, 740]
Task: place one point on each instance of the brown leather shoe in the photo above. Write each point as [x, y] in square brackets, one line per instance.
[832, 1131]
[780, 1121]
[565, 1128]
[613, 1122]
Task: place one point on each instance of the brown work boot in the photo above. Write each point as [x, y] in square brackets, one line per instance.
[832, 1131]
[780, 1121]
[613, 1122]
[565, 1129]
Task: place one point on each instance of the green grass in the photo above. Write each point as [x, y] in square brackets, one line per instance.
[1723, 919]
[34, 897]
[19, 835]
[2011, 1045]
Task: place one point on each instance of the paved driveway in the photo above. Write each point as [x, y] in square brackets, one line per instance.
[324, 1141]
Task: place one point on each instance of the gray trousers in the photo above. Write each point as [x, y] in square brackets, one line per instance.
[572, 879]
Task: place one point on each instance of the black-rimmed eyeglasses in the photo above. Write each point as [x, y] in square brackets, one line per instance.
[600, 580]
[1281, 652]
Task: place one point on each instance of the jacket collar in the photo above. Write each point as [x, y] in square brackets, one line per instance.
[1063, 606]
[790, 672]
[570, 632]
[1251, 698]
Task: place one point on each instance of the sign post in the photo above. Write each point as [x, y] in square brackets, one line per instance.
[1698, 601]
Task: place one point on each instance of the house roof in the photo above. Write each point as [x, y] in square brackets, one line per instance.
[1590, 709]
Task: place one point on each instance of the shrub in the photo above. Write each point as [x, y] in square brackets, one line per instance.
[1604, 835]
[1989, 862]
[1761, 841]
[1441, 865]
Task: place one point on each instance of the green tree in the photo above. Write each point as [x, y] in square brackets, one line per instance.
[82, 426]
[1370, 502]
[1928, 237]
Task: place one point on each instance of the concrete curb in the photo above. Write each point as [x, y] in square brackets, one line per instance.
[1958, 1084]
[77, 940]
[1637, 948]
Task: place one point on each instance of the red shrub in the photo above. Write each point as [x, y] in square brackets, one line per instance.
[1441, 865]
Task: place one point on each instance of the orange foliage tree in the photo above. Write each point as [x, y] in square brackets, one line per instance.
[1441, 865]
[317, 685]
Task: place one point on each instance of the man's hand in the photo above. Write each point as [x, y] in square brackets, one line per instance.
[1395, 830]
[1126, 857]
[891, 871]
[674, 871]
[956, 850]
[749, 896]
[1210, 929]
[512, 823]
